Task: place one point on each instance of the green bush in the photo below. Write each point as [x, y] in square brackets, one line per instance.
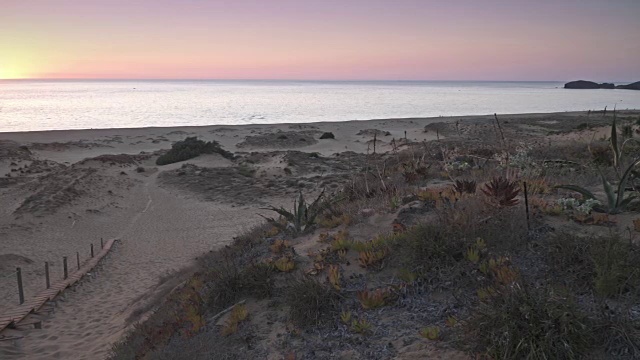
[521, 323]
[429, 247]
[617, 266]
[570, 255]
[190, 148]
[619, 334]
[607, 264]
[310, 302]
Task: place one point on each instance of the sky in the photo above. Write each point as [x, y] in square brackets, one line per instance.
[321, 39]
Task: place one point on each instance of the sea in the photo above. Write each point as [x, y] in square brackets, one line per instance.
[33, 105]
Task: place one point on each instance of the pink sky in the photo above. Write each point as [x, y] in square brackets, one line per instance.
[329, 39]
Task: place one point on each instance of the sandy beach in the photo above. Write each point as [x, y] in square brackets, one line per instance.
[64, 190]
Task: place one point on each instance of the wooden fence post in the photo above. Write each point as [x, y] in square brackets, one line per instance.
[20, 289]
[101, 244]
[64, 266]
[91, 250]
[78, 259]
[46, 273]
[526, 203]
[375, 138]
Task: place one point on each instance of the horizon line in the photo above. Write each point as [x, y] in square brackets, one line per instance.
[264, 79]
[304, 80]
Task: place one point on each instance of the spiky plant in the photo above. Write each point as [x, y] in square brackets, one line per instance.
[361, 326]
[502, 190]
[465, 186]
[617, 147]
[616, 200]
[334, 276]
[373, 299]
[303, 216]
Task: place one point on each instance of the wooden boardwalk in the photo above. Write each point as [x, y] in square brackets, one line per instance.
[12, 318]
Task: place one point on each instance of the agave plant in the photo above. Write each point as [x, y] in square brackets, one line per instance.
[303, 215]
[502, 190]
[617, 147]
[616, 200]
[465, 186]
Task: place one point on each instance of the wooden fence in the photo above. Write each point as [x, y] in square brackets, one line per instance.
[15, 316]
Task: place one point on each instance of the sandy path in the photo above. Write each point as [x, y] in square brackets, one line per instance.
[165, 233]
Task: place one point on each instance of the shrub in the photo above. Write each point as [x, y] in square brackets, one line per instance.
[327, 135]
[619, 335]
[570, 255]
[519, 323]
[190, 148]
[602, 155]
[583, 126]
[246, 171]
[310, 302]
[426, 247]
[617, 267]
[606, 264]
[227, 283]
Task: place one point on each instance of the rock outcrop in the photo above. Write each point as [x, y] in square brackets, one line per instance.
[583, 84]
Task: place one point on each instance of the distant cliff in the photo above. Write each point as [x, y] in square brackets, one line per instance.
[583, 84]
[633, 86]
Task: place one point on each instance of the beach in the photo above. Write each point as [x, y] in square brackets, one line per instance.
[62, 191]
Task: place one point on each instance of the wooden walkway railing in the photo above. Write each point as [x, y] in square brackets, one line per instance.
[33, 305]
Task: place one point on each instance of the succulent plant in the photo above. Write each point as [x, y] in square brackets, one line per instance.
[502, 190]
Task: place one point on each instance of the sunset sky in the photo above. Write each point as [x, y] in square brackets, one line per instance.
[328, 39]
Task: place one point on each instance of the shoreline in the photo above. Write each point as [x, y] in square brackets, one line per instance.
[5, 134]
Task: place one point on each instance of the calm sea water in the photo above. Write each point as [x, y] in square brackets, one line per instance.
[49, 105]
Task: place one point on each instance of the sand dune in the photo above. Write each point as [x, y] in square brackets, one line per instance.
[55, 203]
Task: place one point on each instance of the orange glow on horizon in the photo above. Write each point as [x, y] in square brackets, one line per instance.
[330, 40]
[10, 71]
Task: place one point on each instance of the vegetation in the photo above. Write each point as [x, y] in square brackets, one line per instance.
[503, 191]
[189, 148]
[465, 186]
[303, 216]
[310, 302]
[618, 199]
[524, 323]
[408, 250]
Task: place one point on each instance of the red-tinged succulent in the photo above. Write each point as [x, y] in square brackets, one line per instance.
[502, 190]
[465, 186]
